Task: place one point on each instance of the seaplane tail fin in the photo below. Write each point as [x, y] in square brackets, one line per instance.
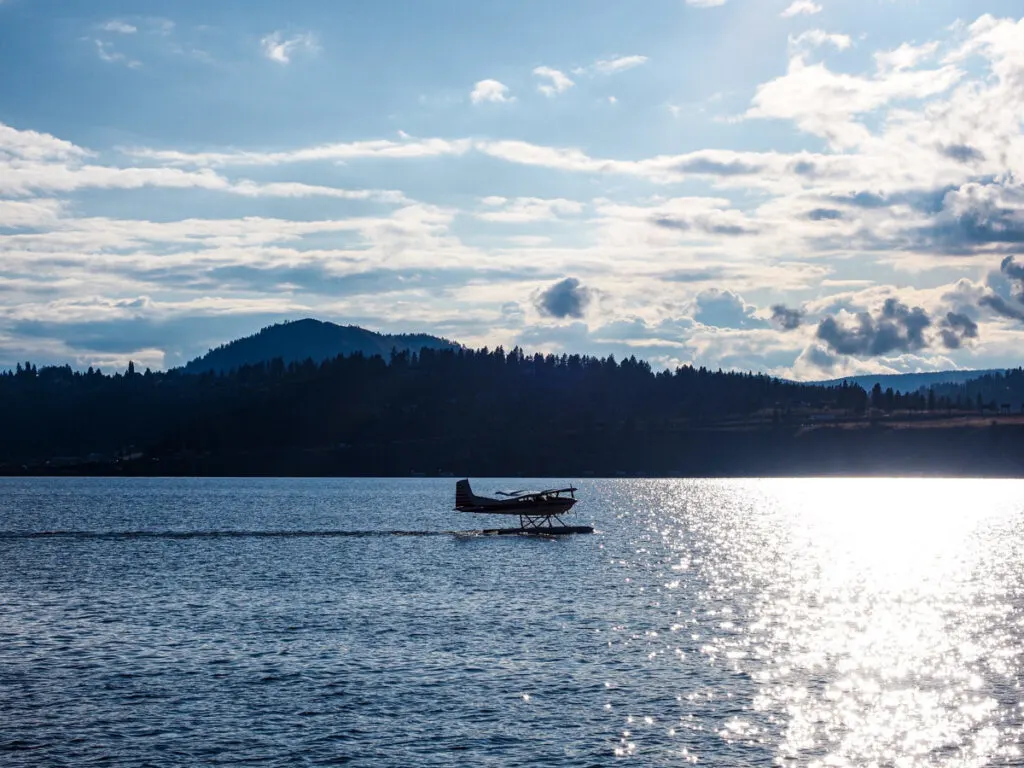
[463, 494]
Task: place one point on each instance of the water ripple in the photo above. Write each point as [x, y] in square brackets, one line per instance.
[214, 534]
[321, 622]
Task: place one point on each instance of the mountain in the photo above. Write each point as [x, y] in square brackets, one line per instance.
[302, 339]
[909, 382]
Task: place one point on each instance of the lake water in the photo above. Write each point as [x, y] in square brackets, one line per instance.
[316, 622]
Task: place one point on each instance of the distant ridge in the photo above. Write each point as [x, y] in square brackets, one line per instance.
[910, 382]
[309, 338]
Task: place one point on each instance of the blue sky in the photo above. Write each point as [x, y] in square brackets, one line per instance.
[806, 187]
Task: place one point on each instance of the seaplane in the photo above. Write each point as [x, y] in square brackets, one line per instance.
[538, 511]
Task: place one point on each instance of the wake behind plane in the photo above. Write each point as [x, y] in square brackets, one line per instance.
[538, 511]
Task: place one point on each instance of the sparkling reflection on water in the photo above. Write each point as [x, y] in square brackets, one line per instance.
[879, 619]
[796, 622]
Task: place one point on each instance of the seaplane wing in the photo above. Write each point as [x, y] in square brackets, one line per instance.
[555, 490]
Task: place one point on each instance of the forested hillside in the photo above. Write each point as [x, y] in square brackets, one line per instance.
[359, 400]
[309, 339]
[488, 413]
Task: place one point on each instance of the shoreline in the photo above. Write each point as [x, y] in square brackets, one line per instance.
[924, 449]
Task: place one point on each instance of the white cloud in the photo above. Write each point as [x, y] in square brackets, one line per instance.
[340, 152]
[618, 64]
[527, 209]
[121, 27]
[666, 224]
[905, 57]
[280, 49]
[406, 237]
[808, 7]
[17, 214]
[32, 162]
[824, 103]
[490, 90]
[728, 167]
[557, 82]
[99, 308]
[705, 3]
[714, 163]
[107, 53]
[32, 145]
[28, 178]
[1001, 41]
[160, 26]
[569, 159]
[816, 38]
[530, 241]
[724, 309]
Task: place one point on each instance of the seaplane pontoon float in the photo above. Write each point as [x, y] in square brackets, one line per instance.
[538, 511]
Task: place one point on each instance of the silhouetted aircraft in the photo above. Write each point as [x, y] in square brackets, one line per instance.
[536, 509]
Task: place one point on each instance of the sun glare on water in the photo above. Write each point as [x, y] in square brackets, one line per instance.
[883, 618]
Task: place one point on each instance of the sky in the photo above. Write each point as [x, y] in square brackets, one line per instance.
[810, 188]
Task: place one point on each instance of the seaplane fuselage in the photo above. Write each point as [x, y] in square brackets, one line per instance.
[555, 501]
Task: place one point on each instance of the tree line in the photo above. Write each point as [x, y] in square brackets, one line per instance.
[356, 399]
[417, 411]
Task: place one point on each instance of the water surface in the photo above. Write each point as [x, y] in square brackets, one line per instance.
[317, 622]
